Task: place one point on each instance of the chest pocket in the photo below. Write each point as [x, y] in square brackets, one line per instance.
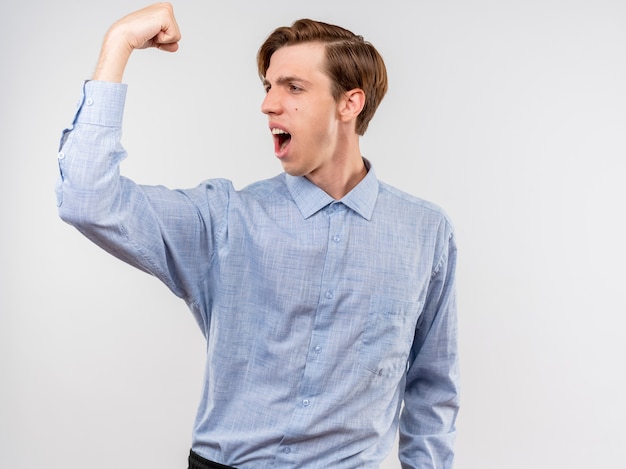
[388, 336]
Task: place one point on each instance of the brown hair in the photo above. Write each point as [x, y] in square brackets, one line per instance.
[351, 62]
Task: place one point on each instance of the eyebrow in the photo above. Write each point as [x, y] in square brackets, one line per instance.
[287, 79]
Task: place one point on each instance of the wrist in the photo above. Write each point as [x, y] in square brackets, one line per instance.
[113, 58]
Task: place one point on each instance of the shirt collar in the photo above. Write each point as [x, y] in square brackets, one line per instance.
[310, 199]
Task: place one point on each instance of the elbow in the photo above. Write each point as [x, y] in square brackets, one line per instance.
[68, 215]
[82, 209]
[64, 209]
[75, 214]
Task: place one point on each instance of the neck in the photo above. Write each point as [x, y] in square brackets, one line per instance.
[345, 172]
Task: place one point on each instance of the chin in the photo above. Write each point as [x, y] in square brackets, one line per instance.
[292, 170]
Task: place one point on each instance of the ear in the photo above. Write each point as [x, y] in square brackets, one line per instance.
[351, 104]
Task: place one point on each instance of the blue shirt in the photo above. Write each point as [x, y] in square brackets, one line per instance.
[321, 317]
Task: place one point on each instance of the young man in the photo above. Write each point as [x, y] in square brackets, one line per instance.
[326, 296]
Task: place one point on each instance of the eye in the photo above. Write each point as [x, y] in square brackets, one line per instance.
[295, 88]
[267, 88]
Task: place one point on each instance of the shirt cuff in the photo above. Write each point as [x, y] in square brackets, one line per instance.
[102, 103]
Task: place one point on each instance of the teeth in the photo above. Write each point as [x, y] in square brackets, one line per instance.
[279, 132]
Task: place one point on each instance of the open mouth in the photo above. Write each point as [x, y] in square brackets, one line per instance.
[281, 139]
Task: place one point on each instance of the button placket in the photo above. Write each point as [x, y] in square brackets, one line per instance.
[330, 286]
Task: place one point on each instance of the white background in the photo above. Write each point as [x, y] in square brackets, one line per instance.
[509, 114]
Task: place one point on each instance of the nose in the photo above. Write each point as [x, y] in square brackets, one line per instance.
[271, 104]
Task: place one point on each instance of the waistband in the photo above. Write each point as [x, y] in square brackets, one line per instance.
[198, 462]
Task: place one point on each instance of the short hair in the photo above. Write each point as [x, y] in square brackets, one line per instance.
[351, 62]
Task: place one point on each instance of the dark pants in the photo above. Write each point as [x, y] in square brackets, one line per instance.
[198, 462]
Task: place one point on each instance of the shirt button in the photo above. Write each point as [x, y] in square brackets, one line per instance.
[61, 155]
[306, 403]
[287, 450]
[318, 349]
[89, 102]
[329, 294]
[336, 238]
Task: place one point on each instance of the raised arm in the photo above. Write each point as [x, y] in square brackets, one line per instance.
[153, 26]
[168, 233]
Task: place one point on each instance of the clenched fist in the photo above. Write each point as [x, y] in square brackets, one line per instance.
[153, 26]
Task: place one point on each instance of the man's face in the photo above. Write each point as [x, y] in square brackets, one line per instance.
[302, 113]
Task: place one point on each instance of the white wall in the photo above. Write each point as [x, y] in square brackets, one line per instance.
[509, 114]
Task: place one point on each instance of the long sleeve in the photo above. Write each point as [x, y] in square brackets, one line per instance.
[431, 402]
[167, 233]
